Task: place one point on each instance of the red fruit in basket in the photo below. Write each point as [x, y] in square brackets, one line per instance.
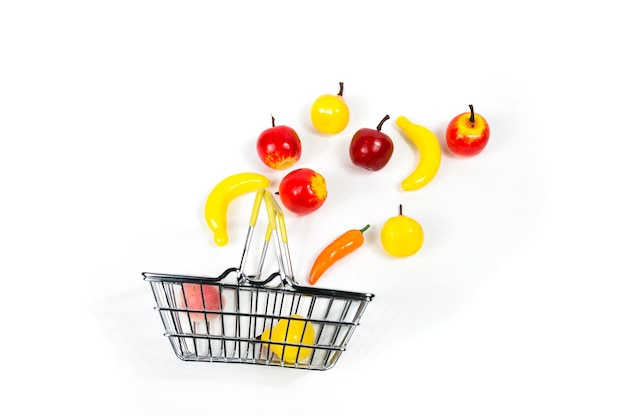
[467, 134]
[303, 191]
[279, 147]
[371, 149]
[201, 297]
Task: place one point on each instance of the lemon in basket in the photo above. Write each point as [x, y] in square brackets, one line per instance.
[291, 331]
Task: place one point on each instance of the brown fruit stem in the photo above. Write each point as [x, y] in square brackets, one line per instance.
[273, 125]
[400, 209]
[380, 125]
[471, 119]
[340, 93]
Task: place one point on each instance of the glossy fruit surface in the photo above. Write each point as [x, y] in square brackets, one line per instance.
[427, 145]
[371, 149]
[220, 197]
[201, 297]
[291, 331]
[401, 236]
[346, 243]
[330, 113]
[279, 147]
[303, 191]
[467, 134]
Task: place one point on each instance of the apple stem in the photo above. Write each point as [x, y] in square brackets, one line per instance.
[471, 119]
[340, 93]
[273, 125]
[400, 209]
[380, 125]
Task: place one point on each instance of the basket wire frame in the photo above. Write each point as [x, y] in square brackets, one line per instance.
[210, 319]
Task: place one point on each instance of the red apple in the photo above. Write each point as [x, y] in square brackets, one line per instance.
[371, 149]
[279, 147]
[201, 297]
[467, 134]
[302, 191]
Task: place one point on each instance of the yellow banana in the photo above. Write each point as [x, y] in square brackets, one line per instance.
[430, 154]
[216, 206]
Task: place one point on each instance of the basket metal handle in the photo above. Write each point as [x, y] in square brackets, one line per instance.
[276, 231]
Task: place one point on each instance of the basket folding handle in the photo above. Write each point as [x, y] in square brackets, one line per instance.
[276, 231]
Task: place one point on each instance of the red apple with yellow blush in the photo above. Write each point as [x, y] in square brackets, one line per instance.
[467, 134]
[303, 191]
[279, 147]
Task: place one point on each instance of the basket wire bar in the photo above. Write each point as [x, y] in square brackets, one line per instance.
[210, 319]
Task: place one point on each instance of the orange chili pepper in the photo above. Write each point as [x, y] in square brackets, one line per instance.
[345, 244]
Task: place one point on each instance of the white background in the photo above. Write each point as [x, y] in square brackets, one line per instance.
[117, 118]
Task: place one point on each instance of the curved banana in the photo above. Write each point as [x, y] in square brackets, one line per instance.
[430, 154]
[216, 206]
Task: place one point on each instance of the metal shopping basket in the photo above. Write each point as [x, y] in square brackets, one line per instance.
[257, 319]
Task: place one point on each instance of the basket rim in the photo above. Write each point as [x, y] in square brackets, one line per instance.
[308, 290]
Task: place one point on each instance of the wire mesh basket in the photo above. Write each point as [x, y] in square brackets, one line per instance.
[257, 319]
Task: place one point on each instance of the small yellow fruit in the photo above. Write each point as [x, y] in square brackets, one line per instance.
[330, 113]
[402, 236]
[292, 332]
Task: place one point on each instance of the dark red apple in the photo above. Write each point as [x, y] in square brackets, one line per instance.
[279, 147]
[371, 149]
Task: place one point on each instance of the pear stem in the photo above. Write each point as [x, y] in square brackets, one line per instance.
[340, 93]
